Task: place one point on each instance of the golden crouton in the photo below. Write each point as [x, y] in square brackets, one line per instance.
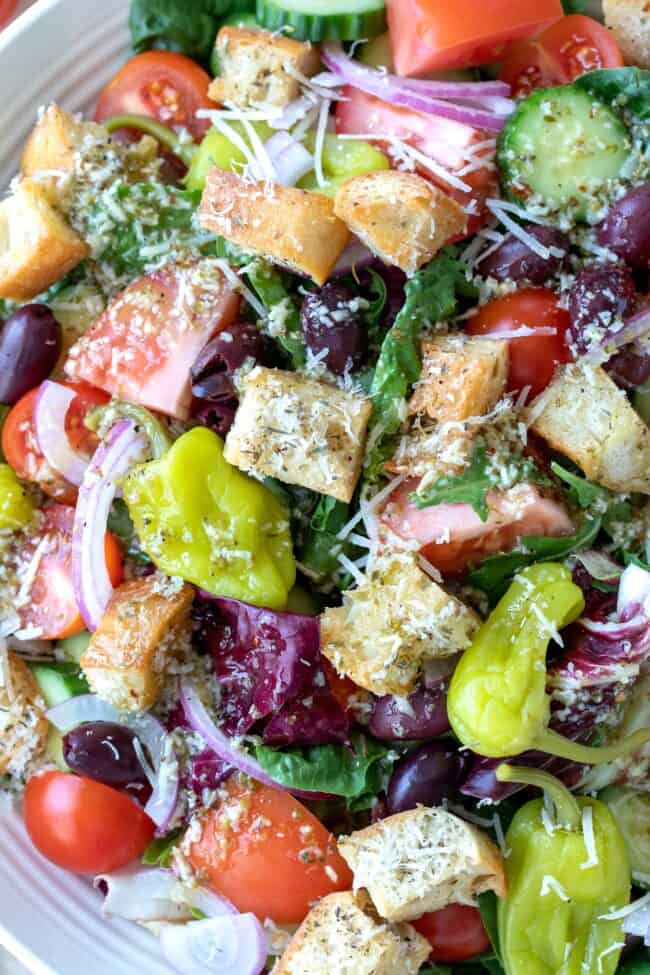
[52, 143]
[342, 934]
[461, 378]
[420, 861]
[584, 415]
[127, 654]
[260, 69]
[401, 217]
[394, 622]
[23, 725]
[37, 247]
[299, 430]
[284, 224]
[629, 22]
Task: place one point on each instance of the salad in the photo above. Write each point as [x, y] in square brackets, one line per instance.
[324, 497]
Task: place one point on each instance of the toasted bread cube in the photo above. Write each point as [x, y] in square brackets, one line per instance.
[400, 217]
[299, 430]
[260, 69]
[344, 936]
[461, 378]
[391, 624]
[53, 143]
[584, 415]
[23, 725]
[126, 658]
[629, 22]
[420, 861]
[286, 225]
[37, 247]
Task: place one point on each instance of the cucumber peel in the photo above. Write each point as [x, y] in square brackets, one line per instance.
[324, 20]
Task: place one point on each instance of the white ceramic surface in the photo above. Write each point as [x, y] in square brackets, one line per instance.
[63, 50]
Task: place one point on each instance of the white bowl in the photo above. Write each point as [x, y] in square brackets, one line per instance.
[63, 50]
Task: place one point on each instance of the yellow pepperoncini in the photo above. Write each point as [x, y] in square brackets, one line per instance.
[16, 506]
[200, 518]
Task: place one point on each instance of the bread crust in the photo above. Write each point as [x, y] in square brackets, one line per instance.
[23, 725]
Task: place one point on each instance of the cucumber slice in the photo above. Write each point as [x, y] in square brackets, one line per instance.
[324, 20]
[58, 682]
[73, 647]
[564, 146]
[631, 810]
[54, 749]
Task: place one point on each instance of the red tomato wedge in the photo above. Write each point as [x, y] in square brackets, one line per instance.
[567, 49]
[20, 444]
[267, 854]
[83, 825]
[455, 933]
[143, 345]
[163, 85]
[430, 35]
[451, 146]
[7, 10]
[534, 357]
[451, 536]
[50, 606]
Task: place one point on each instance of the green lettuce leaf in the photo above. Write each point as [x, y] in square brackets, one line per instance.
[431, 296]
[175, 25]
[268, 284]
[470, 487]
[357, 774]
[159, 852]
[495, 573]
[320, 547]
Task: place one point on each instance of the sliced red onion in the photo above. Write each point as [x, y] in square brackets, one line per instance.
[356, 255]
[156, 894]
[77, 710]
[633, 590]
[289, 157]
[634, 328]
[52, 404]
[218, 946]
[223, 747]
[162, 802]
[92, 585]
[617, 630]
[430, 100]
[638, 921]
[294, 112]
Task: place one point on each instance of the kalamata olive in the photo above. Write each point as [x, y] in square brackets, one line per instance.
[217, 415]
[104, 751]
[626, 228]
[514, 261]
[331, 322]
[426, 777]
[629, 369]
[30, 345]
[597, 298]
[422, 715]
[212, 373]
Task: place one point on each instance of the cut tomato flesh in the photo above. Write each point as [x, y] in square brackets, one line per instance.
[451, 536]
[142, 347]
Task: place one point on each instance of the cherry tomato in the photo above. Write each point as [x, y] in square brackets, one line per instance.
[266, 853]
[163, 85]
[83, 825]
[533, 358]
[446, 142]
[428, 35]
[7, 10]
[567, 49]
[20, 444]
[455, 933]
[343, 688]
[51, 606]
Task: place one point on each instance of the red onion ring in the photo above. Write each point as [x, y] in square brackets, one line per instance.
[356, 255]
[156, 894]
[90, 579]
[634, 328]
[226, 945]
[52, 404]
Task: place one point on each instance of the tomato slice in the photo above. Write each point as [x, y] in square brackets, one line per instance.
[449, 144]
[427, 35]
[20, 444]
[533, 358]
[51, 606]
[163, 85]
[266, 853]
[455, 933]
[567, 49]
[142, 347]
[83, 825]
[7, 10]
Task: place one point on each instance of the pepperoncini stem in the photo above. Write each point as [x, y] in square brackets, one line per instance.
[162, 133]
[567, 810]
[103, 418]
[554, 744]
